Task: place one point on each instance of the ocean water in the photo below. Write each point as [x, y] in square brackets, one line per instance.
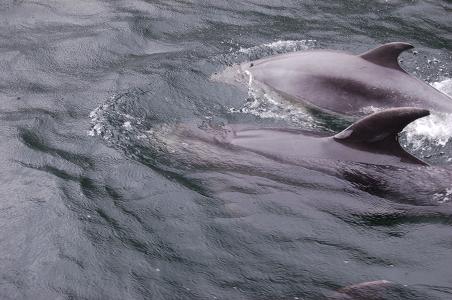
[104, 197]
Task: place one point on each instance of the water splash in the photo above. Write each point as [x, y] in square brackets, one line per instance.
[443, 197]
[435, 129]
[267, 104]
[444, 86]
[111, 119]
[431, 137]
[278, 47]
[268, 49]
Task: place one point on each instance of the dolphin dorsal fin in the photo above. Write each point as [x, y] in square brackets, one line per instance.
[379, 131]
[381, 125]
[387, 55]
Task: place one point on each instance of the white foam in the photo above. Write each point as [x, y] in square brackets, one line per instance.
[267, 104]
[444, 196]
[280, 46]
[435, 129]
[367, 110]
[444, 86]
[127, 125]
[274, 48]
[101, 115]
[98, 119]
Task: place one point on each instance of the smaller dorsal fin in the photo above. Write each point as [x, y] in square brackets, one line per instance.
[387, 55]
[381, 125]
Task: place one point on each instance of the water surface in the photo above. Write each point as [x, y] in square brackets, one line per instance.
[98, 202]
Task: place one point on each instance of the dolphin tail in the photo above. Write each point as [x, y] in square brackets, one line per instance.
[387, 55]
[380, 131]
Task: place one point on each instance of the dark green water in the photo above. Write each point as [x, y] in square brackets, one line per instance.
[98, 203]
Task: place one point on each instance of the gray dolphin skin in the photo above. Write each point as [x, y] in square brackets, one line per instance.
[372, 139]
[372, 290]
[346, 84]
[378, 290]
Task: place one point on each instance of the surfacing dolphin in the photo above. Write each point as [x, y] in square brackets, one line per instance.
[367, 154]
[344, 83]
[372, 139]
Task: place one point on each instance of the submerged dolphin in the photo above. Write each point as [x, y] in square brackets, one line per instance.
[372, 139]
[378, 290]
[344, 83]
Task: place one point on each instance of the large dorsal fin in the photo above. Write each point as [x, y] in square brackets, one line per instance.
[380, 125]
[387, 55]
[380, 130]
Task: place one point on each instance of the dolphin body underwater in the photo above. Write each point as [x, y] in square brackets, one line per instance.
[378, 290]
[346, 84]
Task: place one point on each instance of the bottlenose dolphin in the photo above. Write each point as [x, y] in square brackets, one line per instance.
[366, 154]
[372, 139]
[344, 83]
[378, 290]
